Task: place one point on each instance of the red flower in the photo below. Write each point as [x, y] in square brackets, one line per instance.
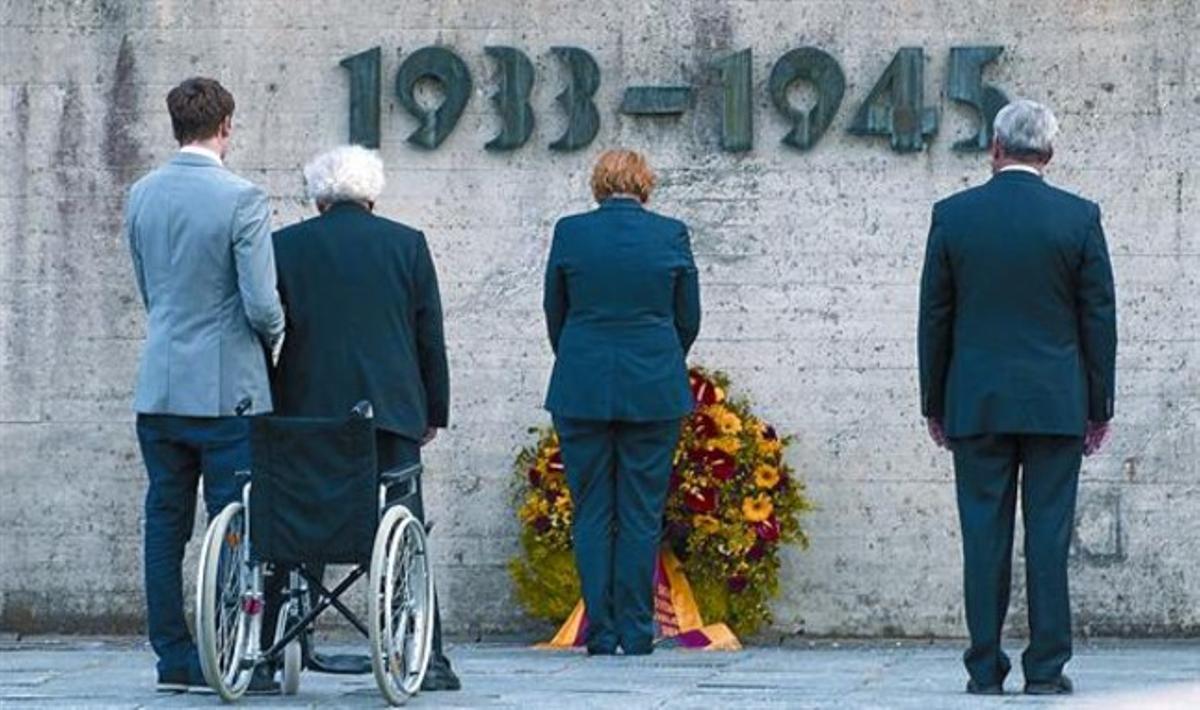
[757, 552]
[720, 464]
[535, 477]
[768, 530]
[737, 583]
[541, 524]
[704, 391]
[704, 426]
[703, 501]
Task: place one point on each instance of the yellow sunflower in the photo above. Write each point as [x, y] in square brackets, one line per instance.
[706, 524]
[766, 476]
[727, 421]
[757, 508]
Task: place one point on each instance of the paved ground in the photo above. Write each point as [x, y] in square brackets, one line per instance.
[72, 673]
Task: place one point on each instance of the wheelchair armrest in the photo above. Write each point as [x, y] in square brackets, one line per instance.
[404, 474]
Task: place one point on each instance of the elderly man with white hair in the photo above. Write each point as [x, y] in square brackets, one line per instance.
[1017, 347]
[364, 322]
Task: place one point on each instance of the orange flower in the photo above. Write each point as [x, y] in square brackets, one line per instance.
[706, 523]
[766, 477]
[757, 508]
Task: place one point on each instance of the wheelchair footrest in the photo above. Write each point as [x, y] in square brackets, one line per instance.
[339, 663]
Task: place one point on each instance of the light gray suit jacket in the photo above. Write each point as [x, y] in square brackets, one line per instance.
[202, 254]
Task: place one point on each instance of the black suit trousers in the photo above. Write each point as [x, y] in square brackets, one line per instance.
[988, 471]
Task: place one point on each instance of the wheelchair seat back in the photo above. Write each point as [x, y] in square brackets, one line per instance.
[314, 494]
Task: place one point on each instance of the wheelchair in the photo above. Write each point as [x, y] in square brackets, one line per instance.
[313, 496]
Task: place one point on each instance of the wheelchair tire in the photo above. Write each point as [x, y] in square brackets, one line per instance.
[400, 605]
[225, 631]
[290, 668]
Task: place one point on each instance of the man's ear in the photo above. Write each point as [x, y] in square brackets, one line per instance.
[227, 126]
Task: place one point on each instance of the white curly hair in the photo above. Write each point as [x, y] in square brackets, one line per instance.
[348, 172]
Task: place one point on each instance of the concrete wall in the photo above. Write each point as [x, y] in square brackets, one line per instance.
[809, 267]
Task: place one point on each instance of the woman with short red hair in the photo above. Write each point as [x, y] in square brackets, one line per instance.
[622, 303]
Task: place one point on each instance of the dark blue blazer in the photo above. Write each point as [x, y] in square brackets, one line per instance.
[364, 321]
[1017, 316]
[622, 302]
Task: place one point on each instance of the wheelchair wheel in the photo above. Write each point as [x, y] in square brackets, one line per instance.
[400, 605]
[290, 669]
[226, 630]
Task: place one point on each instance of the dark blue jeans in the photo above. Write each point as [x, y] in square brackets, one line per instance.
[178, 452]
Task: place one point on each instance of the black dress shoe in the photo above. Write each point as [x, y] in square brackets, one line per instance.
[173, 682]
[263, 681]
[1059, 686]
[440, 676]
[602, 650]
[978, 689]
[183, 681]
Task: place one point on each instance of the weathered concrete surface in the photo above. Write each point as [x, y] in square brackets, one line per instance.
[872, 675]
[809, 265]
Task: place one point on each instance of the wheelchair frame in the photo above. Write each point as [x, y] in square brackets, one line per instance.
[400, 638]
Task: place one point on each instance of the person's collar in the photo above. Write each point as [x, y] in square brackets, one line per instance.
[621, 199]
[1012, 167]
[202, 151]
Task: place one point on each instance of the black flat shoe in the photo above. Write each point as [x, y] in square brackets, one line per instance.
[974, 688]
[1059, 686]
[440, 676]
[602, 651]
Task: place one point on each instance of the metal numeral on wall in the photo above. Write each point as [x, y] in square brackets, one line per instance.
[966, 86]
[822, 71]
[365, 82]
[737, 109]
[512, 98]
[583, 120]
[451, 71]
[896, 104]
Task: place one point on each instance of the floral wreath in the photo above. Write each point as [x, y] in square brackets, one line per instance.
[733, 503]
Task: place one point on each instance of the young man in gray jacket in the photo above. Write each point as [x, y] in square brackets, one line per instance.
[200, 238]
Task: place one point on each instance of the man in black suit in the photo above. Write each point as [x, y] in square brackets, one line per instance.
[1017, 356]
[364, 322]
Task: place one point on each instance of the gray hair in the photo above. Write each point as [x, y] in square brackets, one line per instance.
[1026, 128]
[348, 172]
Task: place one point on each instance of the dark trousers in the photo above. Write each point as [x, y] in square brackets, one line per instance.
[986, 480]
[391, 451]
[618, 474]
[178, 451]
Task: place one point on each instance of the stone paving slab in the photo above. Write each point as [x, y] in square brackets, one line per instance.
[72, 673]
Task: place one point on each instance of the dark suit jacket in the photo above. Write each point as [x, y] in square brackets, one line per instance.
[364, 321]
[622, 302]
[1018, 320]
